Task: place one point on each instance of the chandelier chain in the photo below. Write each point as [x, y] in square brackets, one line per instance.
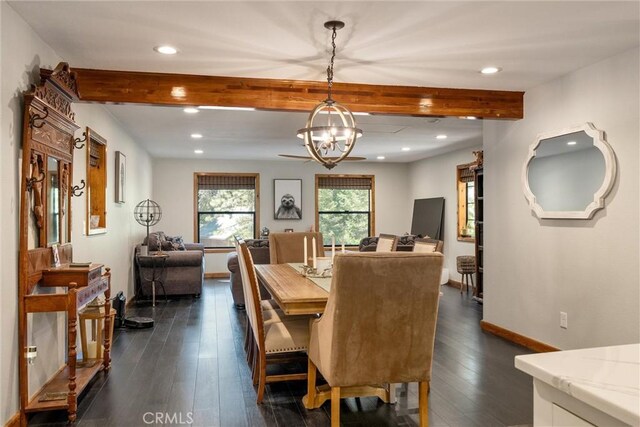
[330, 67]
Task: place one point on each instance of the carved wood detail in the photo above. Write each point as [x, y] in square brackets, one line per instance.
[48, 132]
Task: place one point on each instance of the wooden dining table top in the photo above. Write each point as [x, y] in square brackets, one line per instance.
[294, 293]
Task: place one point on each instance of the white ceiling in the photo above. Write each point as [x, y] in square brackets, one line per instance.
[165, 132]
[441, 44]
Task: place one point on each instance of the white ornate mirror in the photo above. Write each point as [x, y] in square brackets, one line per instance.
[568, 174]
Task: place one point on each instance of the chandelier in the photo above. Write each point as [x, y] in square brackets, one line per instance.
[330, 133]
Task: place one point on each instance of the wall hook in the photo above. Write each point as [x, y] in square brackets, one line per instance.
[33, 180]
[33, 117]
[77, 141]
[76, 190]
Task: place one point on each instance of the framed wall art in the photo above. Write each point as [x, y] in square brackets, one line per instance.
[287, 198]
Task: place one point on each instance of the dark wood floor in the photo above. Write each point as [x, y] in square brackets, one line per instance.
[191, 367]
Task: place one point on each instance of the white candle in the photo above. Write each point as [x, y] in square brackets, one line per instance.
[343, 251]
[333, 247]
[305, 260]
[315, 259]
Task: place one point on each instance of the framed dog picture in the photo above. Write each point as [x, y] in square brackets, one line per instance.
[287, 198]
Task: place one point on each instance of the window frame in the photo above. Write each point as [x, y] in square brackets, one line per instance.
[462, 204]
[196, 212]
[372, 200]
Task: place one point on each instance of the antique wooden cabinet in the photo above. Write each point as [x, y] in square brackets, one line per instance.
[47, 281]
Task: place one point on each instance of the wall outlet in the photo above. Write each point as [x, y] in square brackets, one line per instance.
[563, 320]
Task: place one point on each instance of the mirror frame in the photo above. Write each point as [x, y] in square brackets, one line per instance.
[598, 197]
[94, 137]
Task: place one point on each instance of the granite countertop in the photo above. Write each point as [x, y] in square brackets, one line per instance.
[606, 378]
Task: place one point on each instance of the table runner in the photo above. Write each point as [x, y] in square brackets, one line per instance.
[323, 282]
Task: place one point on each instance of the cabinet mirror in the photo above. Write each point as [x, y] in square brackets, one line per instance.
[96, 221]
[569, 173]
[53, 201]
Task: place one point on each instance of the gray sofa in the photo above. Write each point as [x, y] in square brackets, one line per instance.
[369, 244]
[183, 275]
[259, 249]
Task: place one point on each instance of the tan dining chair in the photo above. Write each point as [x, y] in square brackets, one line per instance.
[274, 341]
[428, 245]
[387, 243]
[288, 247]
[270, 310]
[398, 299]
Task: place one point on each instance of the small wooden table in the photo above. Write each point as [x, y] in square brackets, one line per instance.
[294, 293]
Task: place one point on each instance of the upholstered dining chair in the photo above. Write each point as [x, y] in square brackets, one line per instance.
[427, 245]
[387, 243]
[270, 311]
[343, 347]
[288, 247]
[272, 339]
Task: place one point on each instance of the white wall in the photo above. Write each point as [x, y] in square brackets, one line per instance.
[436, 177]
[590, 269]
[115, 248]
[22, 53]
[173, 190]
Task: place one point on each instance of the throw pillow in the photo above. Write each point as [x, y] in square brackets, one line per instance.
[155, 240]
[168, 246]
[177, 242]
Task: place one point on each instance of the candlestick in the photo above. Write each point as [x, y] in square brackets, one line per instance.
[333, 247]
[315, 258]
[305, 259]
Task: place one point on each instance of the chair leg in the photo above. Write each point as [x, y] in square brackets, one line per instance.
[423, 398]
[311, 382]
[462, 283]
[473, 286]
[255, 369]
[335, 406]
[262, 367]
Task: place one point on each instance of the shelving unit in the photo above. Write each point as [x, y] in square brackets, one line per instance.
[479, 200]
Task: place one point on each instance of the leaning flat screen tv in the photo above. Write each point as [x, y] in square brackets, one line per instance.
[428, 218]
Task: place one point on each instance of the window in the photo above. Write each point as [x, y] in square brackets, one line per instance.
[466, 203]
[226, 206]
[344, 207]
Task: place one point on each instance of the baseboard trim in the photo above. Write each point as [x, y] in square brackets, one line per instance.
[515, 337]
[220, 275]
[14, 421]
[454, 284]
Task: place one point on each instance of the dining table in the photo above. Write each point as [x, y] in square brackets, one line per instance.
[294, 293]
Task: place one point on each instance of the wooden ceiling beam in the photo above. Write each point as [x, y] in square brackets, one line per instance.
[126, 87]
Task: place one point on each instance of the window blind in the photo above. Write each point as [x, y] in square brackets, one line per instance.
[226, 182]
[344, 183]
[466, 174]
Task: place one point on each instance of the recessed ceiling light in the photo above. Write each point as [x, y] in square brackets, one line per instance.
[166, 50]
[217, 107]
[196, 135]
[198, 151]
[191, 110]
[441, 136]
[571, 143]
[380, 157]
[490, 70]
[469, 117]
[406, 149]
